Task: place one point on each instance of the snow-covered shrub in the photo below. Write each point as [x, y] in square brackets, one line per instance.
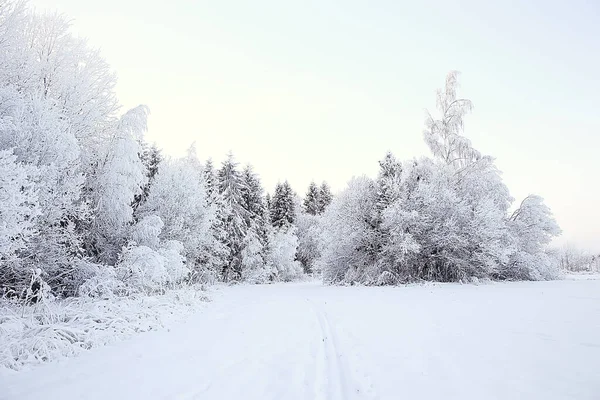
[146, 232]
[172, 251]
[142, 268]
[100, 281]
[281, 257]
[31, 334]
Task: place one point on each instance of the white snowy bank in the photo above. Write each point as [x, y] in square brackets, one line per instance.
[51, 330]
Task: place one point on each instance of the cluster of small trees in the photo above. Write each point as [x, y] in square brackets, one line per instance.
[572, 259]
[445, 218]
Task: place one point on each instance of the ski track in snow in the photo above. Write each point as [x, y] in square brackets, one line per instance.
[337, 380]
[530, 340]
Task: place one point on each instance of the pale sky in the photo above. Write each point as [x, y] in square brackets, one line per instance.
[321, 89]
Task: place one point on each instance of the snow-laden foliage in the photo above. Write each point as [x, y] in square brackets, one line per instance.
[283, 206]
[443, 219]
[178, 198]
[255, 268]
[349, 237]
[309, 240]
[281, 258]
[121, 178]
[142, 268]
[18, 208]
[98, 211]
[317, 198]
[234, 216]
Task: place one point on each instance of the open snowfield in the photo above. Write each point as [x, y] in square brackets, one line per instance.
[526, 340]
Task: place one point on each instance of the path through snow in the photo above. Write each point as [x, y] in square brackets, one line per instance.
[534, 340]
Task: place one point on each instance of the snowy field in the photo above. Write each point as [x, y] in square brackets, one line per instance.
[526, 340]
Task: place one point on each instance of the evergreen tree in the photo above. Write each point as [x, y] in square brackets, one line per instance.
[151, 157]
[387, 182]
[210, 178]
[234, 216]
[254, 203]
[324, 198]
[282, 206]
[312, 200]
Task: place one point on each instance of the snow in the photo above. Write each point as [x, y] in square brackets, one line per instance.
[512, 340]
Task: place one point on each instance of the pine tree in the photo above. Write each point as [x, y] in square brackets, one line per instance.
[324, 198]
[312, 200]
[282, 206]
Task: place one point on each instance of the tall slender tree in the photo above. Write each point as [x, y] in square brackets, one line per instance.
[235, 216]
[325, 197]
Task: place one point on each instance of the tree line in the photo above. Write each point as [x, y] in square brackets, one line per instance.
[88, 207]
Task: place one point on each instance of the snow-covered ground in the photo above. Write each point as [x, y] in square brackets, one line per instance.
[527, 340]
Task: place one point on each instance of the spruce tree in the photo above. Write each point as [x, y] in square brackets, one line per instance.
[312, 199]
[387, 181]
[256, 208]
[210, 178]
[282, 206]
[151, 157]
[231, 188]
[324, 198]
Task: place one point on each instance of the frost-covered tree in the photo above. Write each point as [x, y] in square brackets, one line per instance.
[325, 197]
[282, 206]
[442, 219]
[388, 182]
[254, 263]
[532, 227]
[51, 115]
[121, 177]
[309, 240]
[18, 211]
[151, 157]
[254, 203]
[253, 196]
[281, 258]
[445, 228]
[235, 216]
[311, 200]
[178, 197]
[210, 178]
[348, 233]
[444, 136]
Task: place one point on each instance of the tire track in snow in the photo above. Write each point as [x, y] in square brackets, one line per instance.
[337, 377]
